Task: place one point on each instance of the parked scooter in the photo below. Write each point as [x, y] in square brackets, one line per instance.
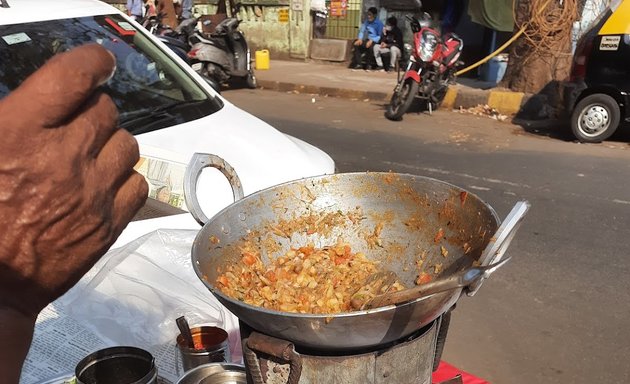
[223, 55]
[431, 68]
[178, 39]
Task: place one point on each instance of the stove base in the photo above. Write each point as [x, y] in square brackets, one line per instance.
[273, 361]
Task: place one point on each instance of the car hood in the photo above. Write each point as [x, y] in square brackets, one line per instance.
[261, 155]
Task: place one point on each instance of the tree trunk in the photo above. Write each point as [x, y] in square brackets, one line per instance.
[542, 55]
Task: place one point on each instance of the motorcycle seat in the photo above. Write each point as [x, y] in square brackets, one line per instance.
[203, 39]
[168, 40]
[213, 40]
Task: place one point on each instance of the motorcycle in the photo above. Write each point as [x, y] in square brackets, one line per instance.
[431, 68]
[223, 55]
[178, 40]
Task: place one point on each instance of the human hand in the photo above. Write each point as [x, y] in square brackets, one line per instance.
[67, 184]
[358, 42]
[369, 44]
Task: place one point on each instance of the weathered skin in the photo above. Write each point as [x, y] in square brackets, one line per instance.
[67, 188]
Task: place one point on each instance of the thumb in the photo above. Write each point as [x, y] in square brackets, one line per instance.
[55, 91]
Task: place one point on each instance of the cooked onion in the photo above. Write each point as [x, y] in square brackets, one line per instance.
[305, 280]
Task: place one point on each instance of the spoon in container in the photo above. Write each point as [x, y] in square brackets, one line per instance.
[184, 329]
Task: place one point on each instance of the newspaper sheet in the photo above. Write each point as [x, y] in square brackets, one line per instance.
[131, 297]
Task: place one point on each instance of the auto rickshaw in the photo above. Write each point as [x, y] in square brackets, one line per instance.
[597, 96]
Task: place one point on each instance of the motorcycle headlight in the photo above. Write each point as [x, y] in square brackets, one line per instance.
[427, 47]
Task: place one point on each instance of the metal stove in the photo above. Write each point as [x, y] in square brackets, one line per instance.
[412, 360]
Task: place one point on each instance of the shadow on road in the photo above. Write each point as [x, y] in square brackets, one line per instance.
[554, 129]
[560, 130]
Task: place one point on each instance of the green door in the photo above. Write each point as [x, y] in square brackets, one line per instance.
[344, 19]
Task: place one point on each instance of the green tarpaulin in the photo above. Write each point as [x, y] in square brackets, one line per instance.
[494, 14]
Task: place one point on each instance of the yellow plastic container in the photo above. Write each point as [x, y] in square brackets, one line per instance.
[262, 59]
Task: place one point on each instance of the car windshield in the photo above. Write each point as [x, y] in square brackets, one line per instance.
[150, 90]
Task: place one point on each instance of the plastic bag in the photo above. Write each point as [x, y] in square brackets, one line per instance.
[135, 293]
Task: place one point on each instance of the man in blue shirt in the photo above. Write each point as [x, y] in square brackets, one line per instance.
[186, 9]
[369, 34]
[134, 9]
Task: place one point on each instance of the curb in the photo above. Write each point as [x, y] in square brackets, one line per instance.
[343, 93]
[505, 102]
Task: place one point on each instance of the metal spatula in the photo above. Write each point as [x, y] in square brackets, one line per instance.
[461, 279]
[373, 285]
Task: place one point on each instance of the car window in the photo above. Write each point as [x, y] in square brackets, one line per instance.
[150, 90]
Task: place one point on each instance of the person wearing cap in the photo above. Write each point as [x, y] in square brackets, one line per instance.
[369, 35]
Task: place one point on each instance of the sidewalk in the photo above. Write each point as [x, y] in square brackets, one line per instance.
[339, 81]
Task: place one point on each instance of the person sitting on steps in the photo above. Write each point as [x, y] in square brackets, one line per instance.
[369, 35]
[391, 43]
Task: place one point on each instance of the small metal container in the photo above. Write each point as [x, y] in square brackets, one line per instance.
[211, 347]
[117, 365]
[215, 373]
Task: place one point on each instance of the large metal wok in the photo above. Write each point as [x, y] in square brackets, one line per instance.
[421, 217]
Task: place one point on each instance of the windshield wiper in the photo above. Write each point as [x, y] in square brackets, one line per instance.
[155, 113]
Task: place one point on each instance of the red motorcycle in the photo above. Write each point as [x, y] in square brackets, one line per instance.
[433, 61]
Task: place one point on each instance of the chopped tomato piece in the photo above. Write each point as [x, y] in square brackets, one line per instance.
[423, 278]
[271, 276]
[340, 260]
[307, 251]
[223, 280]
[463, 196]
[439, 235]
[249, 258]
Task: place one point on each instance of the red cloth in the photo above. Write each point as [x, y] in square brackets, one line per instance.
[446, 371]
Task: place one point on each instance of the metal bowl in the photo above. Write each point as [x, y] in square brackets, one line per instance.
[444, 225]
[215, 373]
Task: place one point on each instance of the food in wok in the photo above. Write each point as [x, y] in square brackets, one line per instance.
[397, 221]
[307, 279]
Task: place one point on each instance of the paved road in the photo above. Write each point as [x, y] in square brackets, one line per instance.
[559, 311]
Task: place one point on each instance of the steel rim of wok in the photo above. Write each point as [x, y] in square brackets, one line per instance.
[340, 331]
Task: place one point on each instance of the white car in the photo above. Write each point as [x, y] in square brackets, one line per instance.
[170, 109]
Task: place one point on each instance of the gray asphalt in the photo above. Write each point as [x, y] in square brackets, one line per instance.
[559, 311]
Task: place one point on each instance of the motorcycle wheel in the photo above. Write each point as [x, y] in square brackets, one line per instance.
[401, 100]
[215, 73]
[250, 80]
[438, 97]
[213, 83]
